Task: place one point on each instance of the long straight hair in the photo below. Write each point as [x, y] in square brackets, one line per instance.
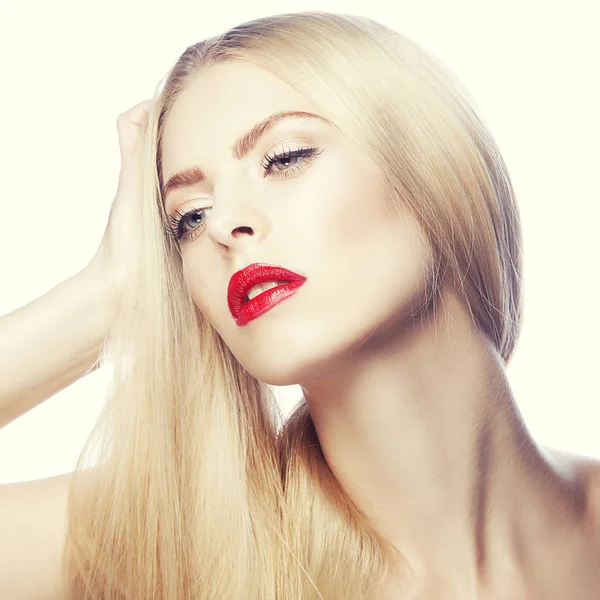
[192, 485]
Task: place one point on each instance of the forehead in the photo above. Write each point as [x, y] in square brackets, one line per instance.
[218, 104]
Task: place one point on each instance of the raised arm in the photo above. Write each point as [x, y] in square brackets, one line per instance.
[50, 342]
[55, 339]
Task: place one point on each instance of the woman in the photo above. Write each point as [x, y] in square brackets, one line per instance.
[318, 203]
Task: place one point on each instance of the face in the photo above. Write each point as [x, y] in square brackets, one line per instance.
[318, 215]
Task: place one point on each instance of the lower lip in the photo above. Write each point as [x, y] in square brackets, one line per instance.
[266, 301]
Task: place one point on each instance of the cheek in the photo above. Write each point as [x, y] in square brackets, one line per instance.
[363, 254]
[344, 205]
[352, 221]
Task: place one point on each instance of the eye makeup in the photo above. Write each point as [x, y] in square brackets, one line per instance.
[299, 158]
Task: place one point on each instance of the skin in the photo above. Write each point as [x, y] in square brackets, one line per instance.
[414, 414]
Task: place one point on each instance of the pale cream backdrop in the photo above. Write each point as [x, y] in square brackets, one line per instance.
[69, 68]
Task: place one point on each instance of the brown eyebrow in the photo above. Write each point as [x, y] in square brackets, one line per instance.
[243, 145]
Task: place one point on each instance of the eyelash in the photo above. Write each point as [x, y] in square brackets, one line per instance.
[174, 230]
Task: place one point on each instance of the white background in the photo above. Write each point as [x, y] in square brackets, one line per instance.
[68, 69]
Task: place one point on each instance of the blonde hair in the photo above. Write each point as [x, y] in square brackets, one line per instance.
[199, 488]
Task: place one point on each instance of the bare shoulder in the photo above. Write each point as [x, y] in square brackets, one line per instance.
[585, 469]
[574, 563]
[592, 468]
[33, 527]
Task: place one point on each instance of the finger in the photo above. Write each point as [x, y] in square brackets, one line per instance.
[129, 127]
[138, 114]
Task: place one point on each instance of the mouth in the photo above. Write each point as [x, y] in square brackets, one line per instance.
[259, 287]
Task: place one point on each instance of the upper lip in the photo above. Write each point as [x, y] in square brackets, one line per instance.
[241, 282]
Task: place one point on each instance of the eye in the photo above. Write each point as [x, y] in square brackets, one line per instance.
[286, 157]
[176, 230]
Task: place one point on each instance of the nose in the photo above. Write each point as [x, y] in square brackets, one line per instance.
[235, 219]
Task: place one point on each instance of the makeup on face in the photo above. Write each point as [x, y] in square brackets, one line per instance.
[259, 287]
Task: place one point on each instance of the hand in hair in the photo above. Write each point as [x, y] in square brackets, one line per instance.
[113, 259]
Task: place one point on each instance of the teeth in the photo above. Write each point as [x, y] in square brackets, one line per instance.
[259, 288]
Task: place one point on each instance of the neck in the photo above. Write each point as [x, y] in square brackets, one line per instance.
[422, 431]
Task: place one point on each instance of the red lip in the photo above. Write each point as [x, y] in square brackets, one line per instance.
[242, 281]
